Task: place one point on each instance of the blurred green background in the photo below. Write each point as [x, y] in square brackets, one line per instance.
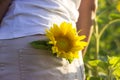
[102, 59]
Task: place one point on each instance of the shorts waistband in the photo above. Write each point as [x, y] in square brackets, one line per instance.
[22, 41]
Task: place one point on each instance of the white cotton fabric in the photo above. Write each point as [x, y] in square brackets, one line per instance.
[29, 17]
[20, 61]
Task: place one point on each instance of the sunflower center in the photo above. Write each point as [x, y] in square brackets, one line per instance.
[63, 44]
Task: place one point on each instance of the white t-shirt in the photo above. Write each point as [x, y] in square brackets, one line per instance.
[29, 17]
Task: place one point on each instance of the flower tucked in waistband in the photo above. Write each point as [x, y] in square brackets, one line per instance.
[63, 41]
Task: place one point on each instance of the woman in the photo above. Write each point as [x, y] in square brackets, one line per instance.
[24, 22]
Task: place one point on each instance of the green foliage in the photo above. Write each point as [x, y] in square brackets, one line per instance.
[41, 44]
[102, 60]
[108, 70]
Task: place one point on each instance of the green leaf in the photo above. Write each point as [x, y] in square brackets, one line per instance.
[114, 60]
[103, 65]
[94, 62]
[95, 78]
[41, 44]
[117, 72]
[114, 15]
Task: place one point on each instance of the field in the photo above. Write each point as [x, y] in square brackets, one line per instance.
[102, 58]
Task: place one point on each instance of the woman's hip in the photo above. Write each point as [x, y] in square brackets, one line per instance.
[20, 59]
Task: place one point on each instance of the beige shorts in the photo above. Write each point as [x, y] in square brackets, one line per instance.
[19, 61]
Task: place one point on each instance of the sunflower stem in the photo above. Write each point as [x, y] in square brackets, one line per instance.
[97, 39]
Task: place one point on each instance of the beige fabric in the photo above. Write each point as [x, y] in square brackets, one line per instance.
[19, 61]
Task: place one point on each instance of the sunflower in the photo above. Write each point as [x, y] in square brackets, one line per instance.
[65, 41]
